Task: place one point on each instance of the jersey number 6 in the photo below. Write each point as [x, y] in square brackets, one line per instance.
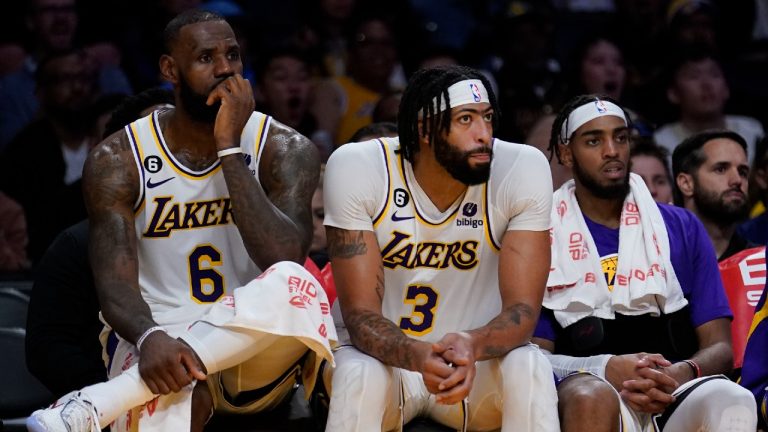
[206, 284]
[424, 301]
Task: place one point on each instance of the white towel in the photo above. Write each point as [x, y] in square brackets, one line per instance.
[645, 280]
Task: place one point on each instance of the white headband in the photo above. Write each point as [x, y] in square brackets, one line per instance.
[587, 112]
[463, 92]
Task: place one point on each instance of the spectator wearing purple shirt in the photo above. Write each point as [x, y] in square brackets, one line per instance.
[600, 332]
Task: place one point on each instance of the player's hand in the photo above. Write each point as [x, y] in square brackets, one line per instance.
[167, 365]
[458, 351]
[237, 105]
[651, 389]
[434, 368]
[621, 368]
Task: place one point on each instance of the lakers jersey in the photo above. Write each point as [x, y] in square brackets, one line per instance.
[440, 268]
[189, 249]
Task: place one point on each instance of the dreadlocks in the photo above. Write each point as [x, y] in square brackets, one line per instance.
[419, 102]
[556, 138]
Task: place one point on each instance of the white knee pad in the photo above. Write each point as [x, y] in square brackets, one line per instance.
[530, 396]
[361, 391]
[715, 405]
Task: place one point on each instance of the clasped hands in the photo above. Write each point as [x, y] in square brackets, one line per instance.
[645, 381]
[448, 368]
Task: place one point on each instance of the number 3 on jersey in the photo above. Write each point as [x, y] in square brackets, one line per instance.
[424, 301]
[206, 284]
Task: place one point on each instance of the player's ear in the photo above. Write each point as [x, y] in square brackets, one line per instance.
[566, 155]
[685, 184]
[168, 69]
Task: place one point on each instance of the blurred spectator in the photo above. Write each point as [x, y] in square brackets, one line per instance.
[318, 250]
[63, 323]
[42, 166]
[13, 238]
[693, 22]
[528, 74]
[711, 178]
[539, 137]
[102, 113]
[387, 107]
[53, 24]
[698, 87]
[283, 88]
[375, 130]
[598, 67]
[649, 161]
[138, 106]
[344, 104]
[330, 24]
[756, 229]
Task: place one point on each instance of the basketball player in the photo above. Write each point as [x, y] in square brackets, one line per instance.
[185, 206]
[440, 251]
[631, 277]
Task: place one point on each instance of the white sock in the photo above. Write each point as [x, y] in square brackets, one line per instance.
[222, 348]
[118, 395]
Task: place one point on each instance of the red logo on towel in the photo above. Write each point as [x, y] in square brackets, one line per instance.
[127, 362]
[302, 290]
[322, 330]
[562, 209]
[630, 215]
[152, 406]
[577, 247]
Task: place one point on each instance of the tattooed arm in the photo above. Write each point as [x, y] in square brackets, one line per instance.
[359, 278]
[523, 270]
[274, 219]
[111, 187]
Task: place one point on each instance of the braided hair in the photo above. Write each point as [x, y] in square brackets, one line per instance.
[556, 138]
[418, 101]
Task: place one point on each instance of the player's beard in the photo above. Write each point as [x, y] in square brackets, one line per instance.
[712, 206]
[456, 162]
[611, 191]
[194, 103]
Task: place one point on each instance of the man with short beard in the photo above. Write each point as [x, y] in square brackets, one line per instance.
[440, 249]
[711, 179]
[629, 277]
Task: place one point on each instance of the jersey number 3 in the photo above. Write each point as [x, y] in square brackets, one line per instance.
[424, 301]
[206, 284]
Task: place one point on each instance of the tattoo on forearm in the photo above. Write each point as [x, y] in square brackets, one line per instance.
[497, 329]
[381, 338]
[346, 244]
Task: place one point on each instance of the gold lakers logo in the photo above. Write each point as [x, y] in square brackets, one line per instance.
[609, 264]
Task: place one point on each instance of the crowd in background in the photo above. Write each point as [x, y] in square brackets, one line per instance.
[329, 67]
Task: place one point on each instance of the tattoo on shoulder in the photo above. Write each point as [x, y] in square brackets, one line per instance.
[346, 244]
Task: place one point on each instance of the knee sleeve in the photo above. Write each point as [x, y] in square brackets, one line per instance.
[529, 393]
[714, 405]
[361, 389]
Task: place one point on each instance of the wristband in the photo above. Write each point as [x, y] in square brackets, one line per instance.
[229, 151]
[695, 367]
[147, 333]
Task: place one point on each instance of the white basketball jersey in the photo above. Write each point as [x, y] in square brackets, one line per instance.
[190, 251]
[440, 272]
